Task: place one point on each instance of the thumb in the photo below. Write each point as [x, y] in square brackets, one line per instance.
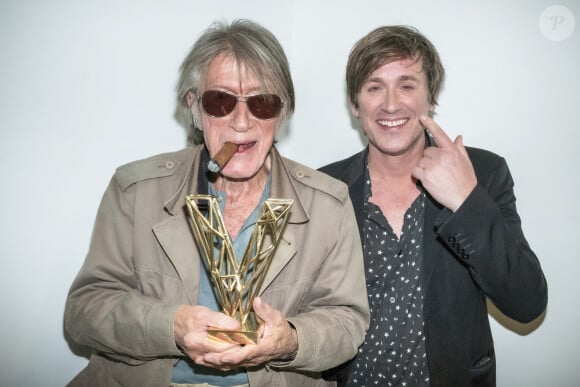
[261, 309]
[265, 312]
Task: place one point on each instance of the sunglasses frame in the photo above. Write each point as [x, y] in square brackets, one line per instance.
[275, 104]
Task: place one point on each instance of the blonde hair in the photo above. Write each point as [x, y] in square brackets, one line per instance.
[386, 44]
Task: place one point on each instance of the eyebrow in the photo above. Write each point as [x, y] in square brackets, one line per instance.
[402, 78]
[408, 78]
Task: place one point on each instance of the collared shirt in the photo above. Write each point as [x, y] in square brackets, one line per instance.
[393, 353]
[186, 371]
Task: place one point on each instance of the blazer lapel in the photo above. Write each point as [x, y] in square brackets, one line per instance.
[431, 247]
[354, 176]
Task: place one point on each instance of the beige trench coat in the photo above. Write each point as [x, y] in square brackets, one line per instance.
[143, 263]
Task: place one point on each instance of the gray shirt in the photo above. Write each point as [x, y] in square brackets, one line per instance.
[186, 371]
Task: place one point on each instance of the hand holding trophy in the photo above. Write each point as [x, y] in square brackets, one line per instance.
[236, 282]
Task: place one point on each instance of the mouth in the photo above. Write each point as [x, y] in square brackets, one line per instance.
[393, 123]
[242, 147]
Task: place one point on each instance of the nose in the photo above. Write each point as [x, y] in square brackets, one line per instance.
[241, 117]
[391, 102]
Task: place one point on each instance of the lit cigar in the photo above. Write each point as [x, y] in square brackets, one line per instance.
[224, 155]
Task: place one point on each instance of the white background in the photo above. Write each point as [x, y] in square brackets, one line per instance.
[88, 85]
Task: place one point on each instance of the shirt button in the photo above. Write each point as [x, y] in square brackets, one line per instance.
[392, 300]
[169, 165]
[299, 174]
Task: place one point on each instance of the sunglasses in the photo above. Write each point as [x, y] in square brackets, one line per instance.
[217, 103]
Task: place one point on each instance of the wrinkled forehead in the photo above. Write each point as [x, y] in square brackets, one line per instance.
[226, 66]
[228, 70]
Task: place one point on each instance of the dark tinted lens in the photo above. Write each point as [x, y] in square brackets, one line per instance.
[265, 106]
[218, 103]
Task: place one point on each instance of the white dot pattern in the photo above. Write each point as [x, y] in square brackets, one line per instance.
[393, 353]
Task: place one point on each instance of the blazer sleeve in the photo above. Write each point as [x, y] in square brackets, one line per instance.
[485, 233]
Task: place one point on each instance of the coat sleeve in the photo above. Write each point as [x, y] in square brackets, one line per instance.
[105, 309]
[485, 233]
[335, 315]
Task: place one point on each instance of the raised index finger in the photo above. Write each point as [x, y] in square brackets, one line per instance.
[441, 138]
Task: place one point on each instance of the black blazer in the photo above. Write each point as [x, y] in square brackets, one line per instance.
[476, 253]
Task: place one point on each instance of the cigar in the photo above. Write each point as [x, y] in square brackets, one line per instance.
[224, 155]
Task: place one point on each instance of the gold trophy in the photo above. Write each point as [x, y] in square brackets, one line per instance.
[236, 282]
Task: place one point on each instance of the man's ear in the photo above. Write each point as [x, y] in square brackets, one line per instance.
[354, 110]
[432, 110]
[190, 98]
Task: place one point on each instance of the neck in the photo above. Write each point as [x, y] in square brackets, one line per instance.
[393, 186]
[235, 188]
[394, 167]
[242, 196]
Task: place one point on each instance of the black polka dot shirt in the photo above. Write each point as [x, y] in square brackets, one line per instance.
[393, 353]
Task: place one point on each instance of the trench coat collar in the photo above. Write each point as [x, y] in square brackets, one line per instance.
[283, 183]
[175, 235]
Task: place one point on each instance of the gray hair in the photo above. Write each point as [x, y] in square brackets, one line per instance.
[252, 46]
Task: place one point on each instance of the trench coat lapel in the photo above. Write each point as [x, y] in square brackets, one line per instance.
[284, 252]
[176, 239]
[175, 235]
[283, 188]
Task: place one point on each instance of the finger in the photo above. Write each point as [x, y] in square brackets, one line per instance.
[418, 173]
[459, 143]
[213, 360]
[222, 321]
[441, 138]
[242, 356]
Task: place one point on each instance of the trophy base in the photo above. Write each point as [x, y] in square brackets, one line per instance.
[246, 335]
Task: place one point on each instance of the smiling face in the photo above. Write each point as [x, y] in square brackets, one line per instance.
[254, 136]
[390, 103]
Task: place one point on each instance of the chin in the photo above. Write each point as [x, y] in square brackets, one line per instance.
[234, 175]
[238, 174]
